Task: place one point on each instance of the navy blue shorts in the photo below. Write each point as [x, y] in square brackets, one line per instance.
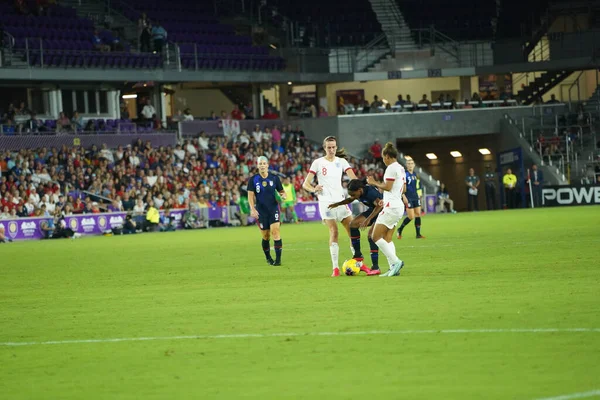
[266, 219]
[366, 215]
[413, 202]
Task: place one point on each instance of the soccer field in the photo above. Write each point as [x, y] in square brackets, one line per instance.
[500, 305]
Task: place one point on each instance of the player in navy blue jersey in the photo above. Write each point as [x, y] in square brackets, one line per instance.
[413, 210]
[264, 207]
[371, 197]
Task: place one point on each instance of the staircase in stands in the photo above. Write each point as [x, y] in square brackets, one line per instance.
[542, 85]
[393, 25]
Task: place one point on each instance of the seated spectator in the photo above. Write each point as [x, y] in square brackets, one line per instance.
[187, 115]
[475, 98]
[213, 116]
[47, 225]
[23, 110]
[89, 126]
[270, 114]
[35, 125]
[77, 120]
[376, 103]
[552, 100]
[98, 44]
[444, 199]
[425, 101]
[63, 123]
[467, 105]
[116, 44]
[322, 112]
[236, 113]
[400, 102]
[8, 127]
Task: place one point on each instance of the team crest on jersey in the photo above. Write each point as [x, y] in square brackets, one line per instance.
[264, 183]
[337, 165]
[271, 183]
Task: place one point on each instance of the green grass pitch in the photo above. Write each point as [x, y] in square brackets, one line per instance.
[443, 327]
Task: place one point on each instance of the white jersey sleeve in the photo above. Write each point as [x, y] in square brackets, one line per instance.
[395, 173]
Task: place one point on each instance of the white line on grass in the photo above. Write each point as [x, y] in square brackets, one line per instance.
[582, 395]
[299, 334]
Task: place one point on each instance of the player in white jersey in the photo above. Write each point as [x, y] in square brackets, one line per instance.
[394, 200]
[329, 171]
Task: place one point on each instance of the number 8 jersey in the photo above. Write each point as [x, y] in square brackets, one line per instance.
[329, 175]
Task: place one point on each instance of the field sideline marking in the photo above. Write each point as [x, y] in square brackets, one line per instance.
[581, 395]
[297, 334]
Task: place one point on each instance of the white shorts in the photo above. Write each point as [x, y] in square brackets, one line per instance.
[390, 217]
[339, 213]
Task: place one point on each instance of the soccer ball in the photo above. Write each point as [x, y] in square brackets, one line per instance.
[352, 267]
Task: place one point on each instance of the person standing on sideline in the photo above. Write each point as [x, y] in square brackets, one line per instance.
[394, 201]
[472, 181]
[265, 209]
[509, 180]
[537, 180]
[490, 188]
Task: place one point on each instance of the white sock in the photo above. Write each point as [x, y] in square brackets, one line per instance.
[388, 249]
[334, 249]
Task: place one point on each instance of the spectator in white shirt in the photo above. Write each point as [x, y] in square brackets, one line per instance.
[34, 198]
[190, 148]
[134, 160]
[187, 115]
[244, 138]
[257, 134]
[139, 207]
[106, 153]
[179, 152]
[158, 201]
[119, 153]
[148, 111]
[152, 179]
[203, 141]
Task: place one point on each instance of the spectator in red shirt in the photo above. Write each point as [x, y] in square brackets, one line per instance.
[375, 151]
[237, 113]
[270, 114]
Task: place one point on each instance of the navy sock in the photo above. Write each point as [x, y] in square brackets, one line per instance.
[278, 247]
[374, 253]
[404, 223]
[355, 238]
[267, 249]
[418, 225]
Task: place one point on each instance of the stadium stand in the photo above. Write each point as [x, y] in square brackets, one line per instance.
[462, 21]
[352, 23]
[203, 42]
[58, 38]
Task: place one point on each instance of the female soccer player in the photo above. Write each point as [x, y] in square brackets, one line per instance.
[329, 171]
[372, 198]
[393, 207]
[414, 201]
[264, 208]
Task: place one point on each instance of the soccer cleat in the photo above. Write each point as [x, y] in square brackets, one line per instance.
[374, 272]
[399, 236]
[270, 261]
[276, 264]
[386, 274]
[366, 269]
[360, 258]
[420, 237]
[336, 272]
[396, 267]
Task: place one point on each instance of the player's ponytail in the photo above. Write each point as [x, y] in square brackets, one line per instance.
[390, 151]
[341, 153]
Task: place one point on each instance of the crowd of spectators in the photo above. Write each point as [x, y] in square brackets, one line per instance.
[443, 102]
[203, 172]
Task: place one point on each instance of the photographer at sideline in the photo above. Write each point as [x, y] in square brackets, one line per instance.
[167, 222]
[129, 227]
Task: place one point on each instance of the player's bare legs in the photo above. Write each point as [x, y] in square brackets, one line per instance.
[334, 248]
[382, 236]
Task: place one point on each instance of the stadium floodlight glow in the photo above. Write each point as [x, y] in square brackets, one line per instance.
[455, 154]
[130, 96]
[485, 151]
[290, 83]
[273, 46]
[431, 156]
